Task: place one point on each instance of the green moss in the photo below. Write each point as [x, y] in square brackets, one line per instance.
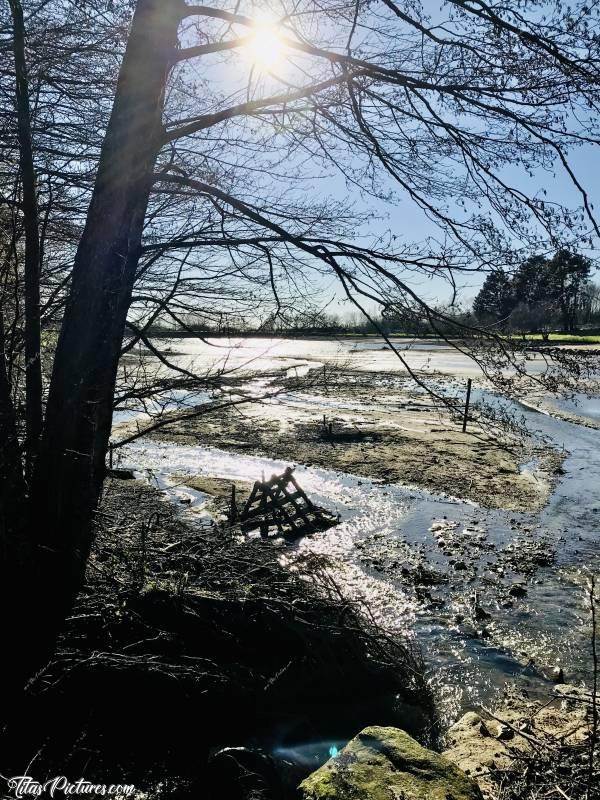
[387, 764]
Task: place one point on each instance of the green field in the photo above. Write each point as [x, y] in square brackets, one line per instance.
[574, 338]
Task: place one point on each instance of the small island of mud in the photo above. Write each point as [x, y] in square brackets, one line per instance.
[380, 427]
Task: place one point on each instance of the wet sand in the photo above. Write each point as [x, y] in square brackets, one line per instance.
[582, 407]
[381, 430]
[491, 596]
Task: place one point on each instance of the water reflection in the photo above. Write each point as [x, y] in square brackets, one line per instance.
[385, 530]
[475, 635]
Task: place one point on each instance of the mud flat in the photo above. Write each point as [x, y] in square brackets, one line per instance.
[380, 427]
[490, 587]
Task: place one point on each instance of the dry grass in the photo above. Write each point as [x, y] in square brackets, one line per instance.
[194, 629]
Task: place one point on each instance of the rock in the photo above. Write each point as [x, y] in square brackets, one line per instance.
[525, 726]
[481, 614]
[384, 763]
[475, 744]
[505, 734]
[517, 590]
[479, 747]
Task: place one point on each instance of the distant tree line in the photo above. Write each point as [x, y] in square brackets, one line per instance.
[543, 294]
[395, 318]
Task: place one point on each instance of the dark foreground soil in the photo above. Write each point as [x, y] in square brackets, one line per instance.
[187, 642]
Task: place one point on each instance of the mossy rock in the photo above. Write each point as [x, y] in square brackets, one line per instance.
[387, 764]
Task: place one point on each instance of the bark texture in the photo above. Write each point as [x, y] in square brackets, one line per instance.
[71, 465]
[33, 367]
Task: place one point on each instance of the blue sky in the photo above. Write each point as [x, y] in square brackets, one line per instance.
[406, 221]
[410, 224]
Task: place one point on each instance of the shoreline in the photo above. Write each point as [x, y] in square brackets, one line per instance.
[569, 341]
[374, 430]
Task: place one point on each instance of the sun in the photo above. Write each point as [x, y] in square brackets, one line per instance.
[265, 47]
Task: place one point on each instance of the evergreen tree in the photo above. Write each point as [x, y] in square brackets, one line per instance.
[568, 275]
[531, 283]
[496, 299]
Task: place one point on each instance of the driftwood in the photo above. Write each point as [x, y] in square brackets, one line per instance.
[194, 642]
[280, 502]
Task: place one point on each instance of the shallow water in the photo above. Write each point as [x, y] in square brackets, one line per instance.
[385, 527]
[583, 405]
[241, 356]
[474, 634]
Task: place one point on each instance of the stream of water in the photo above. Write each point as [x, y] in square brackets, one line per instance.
[505, 596]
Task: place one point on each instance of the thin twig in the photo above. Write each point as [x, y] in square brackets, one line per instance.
[594, 731]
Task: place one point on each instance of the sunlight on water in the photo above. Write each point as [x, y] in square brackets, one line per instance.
[385, 533]
[253, 354]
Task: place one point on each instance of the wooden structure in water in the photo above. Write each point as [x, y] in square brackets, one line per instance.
[280, 502]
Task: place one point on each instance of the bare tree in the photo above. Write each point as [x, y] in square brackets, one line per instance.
[31, 217]
[200, 191]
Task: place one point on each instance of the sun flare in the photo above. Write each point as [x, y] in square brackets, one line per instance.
[265, 48]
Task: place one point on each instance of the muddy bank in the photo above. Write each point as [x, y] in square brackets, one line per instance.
[417, 446]
[188, 641]
[218, 490]
[492, 596]
[523, 749]
[581, 408]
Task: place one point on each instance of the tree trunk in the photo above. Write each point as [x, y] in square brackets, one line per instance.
[71, 465]
[12, 485]
[33, 366]
[567, 315]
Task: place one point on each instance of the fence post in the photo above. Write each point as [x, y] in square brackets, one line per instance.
[468, 400]
[110, 456]
[233, 504]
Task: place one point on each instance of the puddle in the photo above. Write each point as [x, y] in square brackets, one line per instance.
[493, 597]
[386, 532]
